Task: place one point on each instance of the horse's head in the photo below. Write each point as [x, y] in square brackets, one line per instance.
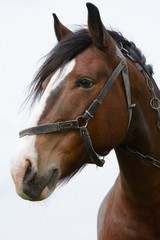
[66, 130]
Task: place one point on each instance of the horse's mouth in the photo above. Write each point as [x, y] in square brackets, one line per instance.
[39, 187]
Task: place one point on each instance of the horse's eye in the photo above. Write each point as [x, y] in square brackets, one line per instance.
[84, 83]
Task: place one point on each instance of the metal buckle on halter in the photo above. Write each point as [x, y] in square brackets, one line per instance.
[126, 52]
[123, 50]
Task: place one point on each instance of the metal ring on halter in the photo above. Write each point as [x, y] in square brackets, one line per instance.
[155, 103]
[81, 121]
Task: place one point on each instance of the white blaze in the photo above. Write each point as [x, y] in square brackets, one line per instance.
[26, 145]
[55, 81]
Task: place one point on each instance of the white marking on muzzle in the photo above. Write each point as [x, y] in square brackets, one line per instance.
[26, 146]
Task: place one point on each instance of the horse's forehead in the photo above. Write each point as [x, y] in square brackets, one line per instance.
[91, 61]
[91, 53]
[91, 56]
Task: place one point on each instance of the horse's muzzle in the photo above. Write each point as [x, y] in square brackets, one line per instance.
[37, 187]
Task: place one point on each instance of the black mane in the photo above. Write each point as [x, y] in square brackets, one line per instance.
[72, 45]
[133, 51]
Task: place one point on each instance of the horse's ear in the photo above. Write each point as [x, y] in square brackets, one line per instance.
[60, 30]
[99, 34]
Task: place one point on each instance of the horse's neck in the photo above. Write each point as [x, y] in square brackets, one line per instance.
[141, 180]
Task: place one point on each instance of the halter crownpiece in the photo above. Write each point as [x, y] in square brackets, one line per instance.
[82, 121]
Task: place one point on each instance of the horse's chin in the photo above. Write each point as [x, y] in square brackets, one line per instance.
[46, 192]
[44, 195]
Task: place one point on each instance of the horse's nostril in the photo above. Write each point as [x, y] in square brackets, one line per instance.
[30, 173]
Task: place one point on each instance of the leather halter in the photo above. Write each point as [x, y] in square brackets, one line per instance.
[82, 121]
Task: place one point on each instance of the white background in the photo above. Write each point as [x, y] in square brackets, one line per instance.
[26, 35]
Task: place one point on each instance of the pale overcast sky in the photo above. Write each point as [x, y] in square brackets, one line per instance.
[26, 36]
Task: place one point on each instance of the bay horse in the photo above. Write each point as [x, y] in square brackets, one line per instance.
[96, 94]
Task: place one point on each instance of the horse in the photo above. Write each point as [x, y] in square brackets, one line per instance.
[96, 93]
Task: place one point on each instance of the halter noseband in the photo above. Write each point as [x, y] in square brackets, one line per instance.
[82, 121]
